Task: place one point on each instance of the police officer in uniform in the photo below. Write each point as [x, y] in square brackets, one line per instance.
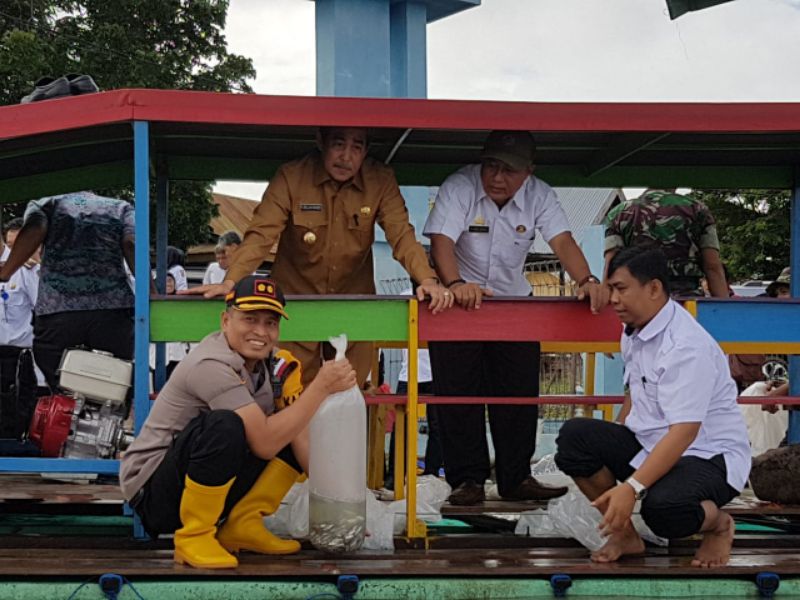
[228, 435]
[17, 377]
[481, 228]
[682, 228]
[324, 208]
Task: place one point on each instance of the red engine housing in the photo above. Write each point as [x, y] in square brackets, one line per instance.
[51, 422]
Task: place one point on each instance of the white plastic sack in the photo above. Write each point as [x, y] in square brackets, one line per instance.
[577, 518]
[547, 472]
[291, 519]
[431, 492]
[765, 429]
[572, 515]
[380, 525]
[384, 520]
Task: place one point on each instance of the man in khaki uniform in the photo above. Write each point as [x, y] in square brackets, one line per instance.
[324, 207]
[228, 435]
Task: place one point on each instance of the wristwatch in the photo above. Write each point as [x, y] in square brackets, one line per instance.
[638, 488]
[587, 279]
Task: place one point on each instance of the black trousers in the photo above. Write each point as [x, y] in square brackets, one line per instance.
[672, 506]
[433, 449]
[211, 450]
[486, 369]
[17, 391]
[108, 330]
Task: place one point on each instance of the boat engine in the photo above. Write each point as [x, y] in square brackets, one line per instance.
[88, 421]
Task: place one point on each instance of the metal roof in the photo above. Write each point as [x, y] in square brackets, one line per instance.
[87, 141]
[584, 207]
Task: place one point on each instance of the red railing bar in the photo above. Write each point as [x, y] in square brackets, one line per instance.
[402, 399]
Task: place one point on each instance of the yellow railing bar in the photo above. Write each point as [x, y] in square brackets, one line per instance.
[399, 451]
[414, 528]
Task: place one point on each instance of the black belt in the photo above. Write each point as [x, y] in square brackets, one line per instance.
[11, 351]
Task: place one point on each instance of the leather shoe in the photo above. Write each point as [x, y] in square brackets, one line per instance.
[530, 489]
[81, 84]
[47, 88]
[468, 493]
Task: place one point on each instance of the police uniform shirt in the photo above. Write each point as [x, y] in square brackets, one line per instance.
[17, 299]
[491, 244]
[327, 229]
[211, 377]
[677, 373]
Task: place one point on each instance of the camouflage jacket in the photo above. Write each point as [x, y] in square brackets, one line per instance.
[680, 225]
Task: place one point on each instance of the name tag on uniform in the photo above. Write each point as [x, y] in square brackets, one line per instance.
[478, 229]
[311, 207]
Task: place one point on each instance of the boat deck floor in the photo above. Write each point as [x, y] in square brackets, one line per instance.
[26, 551]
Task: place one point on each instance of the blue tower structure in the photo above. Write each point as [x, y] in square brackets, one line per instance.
[377, 48]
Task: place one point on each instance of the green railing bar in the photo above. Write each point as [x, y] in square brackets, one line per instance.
[190, 320]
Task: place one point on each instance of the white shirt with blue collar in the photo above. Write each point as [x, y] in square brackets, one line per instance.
[677, 373]
[17, 299]
[491, 244]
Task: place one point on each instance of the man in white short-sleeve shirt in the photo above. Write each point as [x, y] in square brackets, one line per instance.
[17, 376]
[680, 444]
[481, 228]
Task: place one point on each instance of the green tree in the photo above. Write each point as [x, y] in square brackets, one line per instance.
[165, 44]
[754, 230]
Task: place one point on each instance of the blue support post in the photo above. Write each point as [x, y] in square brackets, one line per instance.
[162, 223]
[141, 349]
[141, 371]
[101, 466]
[408, 49]
[793, 434]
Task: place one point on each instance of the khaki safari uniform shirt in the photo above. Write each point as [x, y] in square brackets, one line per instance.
[211, 377]
[326, 229]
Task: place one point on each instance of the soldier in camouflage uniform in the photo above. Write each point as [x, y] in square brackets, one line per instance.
[684, 230]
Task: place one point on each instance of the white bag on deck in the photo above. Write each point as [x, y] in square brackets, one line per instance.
[765, 429]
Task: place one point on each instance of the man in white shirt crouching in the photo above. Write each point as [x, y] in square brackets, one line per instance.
[680, 444]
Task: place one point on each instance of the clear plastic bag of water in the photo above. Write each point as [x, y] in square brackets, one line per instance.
[337, 481]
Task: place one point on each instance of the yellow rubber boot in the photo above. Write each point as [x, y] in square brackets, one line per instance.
[195, 542]
[244, 529]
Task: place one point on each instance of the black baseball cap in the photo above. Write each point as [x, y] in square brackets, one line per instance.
[257, 293]
[515, 148]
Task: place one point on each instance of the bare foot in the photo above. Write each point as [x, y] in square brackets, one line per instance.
[715, 549]
[623, 543]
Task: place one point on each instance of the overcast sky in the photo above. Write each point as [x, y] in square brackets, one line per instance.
[551, 50]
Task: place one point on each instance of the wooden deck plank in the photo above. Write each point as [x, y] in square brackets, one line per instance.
[464, 563]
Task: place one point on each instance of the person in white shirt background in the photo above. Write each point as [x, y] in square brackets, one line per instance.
[17, 376]
[226, 245]
[680, 443]
[481, 228]
[175, 267]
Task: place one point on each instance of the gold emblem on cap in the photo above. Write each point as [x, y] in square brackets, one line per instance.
[366, 211]
[261, 287]
[310, 237]
[521, 229]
